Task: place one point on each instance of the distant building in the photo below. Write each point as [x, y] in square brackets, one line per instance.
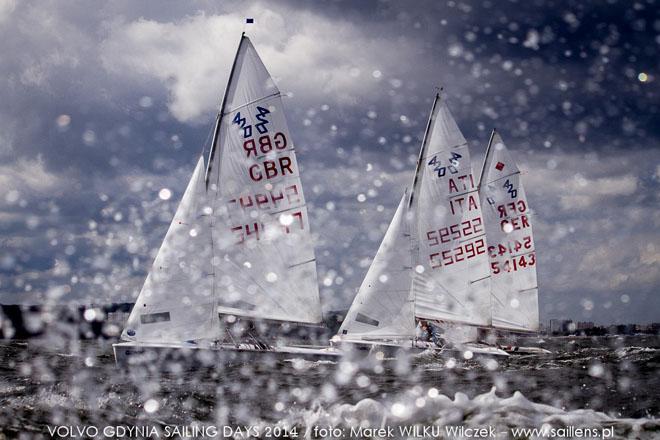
[584, 325]
[562, 326]
[555, 326]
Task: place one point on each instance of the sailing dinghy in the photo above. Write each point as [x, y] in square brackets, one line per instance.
[432, 264]
[237, 267]
[508, 223]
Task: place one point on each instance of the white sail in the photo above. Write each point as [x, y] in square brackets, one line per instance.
[383, 306]
[176, 301]
[510, 241]
[452, 276]
[264, 260]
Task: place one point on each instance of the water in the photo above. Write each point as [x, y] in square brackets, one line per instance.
[590, 382]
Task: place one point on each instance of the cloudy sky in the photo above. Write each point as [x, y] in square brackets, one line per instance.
[103, 105]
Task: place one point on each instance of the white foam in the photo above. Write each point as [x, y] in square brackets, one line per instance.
[415, 407]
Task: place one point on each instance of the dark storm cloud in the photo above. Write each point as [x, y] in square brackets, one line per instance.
[138, 84]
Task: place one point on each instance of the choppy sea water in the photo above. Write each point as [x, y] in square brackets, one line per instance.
[590, 382]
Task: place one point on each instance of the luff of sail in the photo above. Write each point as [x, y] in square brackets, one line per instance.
[176, 301]
[452, 276]
[383, 306]
[264, 261]
[510, 241]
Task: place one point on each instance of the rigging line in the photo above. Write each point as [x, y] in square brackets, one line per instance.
[222, 109]
[462, 194]
[208, 137]
[421, 157]
[254, 101]
[304, 262]
[503, 177]
[465, 240]
[448, 149]
[288, 149]
[488, 149]
[480, 279]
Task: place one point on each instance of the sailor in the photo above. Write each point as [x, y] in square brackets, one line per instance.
[436, 335]
[422, 332]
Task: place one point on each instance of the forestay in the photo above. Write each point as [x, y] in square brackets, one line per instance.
[452, 276]
[383, 306]
[510, 241]
[264, 260]
[176, 302]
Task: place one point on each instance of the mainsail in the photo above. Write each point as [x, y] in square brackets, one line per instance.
[451, 277]
[510, 241]
[176, 302]
[239, 243]
[264, 263]
[383, 306]
[432, 262]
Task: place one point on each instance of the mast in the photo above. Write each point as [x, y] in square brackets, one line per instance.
[422, 150]
[483, 166]
[216, 131]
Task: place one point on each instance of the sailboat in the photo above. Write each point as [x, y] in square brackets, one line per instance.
[237, 266]
[508, 223]
[432, 264]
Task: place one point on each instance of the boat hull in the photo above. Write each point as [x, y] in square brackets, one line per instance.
[516, 350]
[394, 349]
[131, 353]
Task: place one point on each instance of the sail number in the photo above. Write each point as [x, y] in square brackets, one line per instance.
[457, 254]
[512, 208]
[515, 246]
[273, 199]
[440, 169]
[513, 264]
[255, 230]
[454, 232]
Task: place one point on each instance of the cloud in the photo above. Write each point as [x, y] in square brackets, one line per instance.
[583, 193]
[192, 56]
[29, 178]
[136, 80]
[6, 9]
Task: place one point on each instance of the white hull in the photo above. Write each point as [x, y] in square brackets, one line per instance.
[514, 349]
[396, 348]
[137, 353]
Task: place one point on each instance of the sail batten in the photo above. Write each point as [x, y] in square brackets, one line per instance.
[511, 247]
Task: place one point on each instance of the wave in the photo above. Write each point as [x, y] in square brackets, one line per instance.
[430, 408]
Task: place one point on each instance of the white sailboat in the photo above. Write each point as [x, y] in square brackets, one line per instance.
[508, 222]
[432, 264]
[238, 253]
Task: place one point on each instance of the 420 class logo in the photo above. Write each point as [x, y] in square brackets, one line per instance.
[260, 125]
[439, 168]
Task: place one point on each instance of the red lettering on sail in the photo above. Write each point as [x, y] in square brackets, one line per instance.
[271, 169]
[457, 207]
[461, 183]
